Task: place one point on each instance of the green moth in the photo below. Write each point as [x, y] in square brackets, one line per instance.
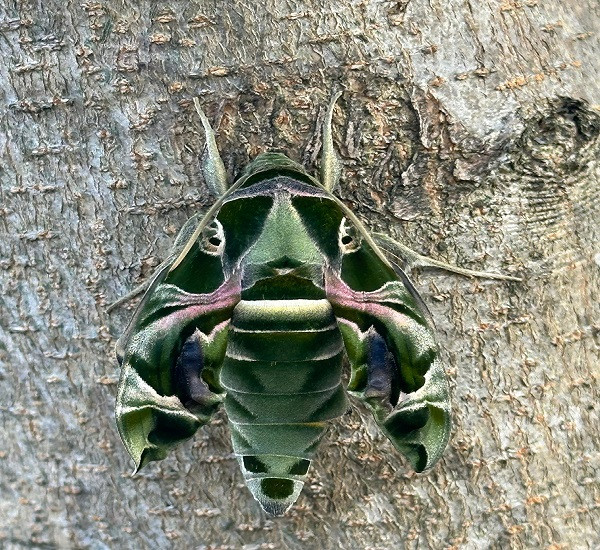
[257, 309]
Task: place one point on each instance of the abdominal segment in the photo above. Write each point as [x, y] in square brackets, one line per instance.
[282, 374]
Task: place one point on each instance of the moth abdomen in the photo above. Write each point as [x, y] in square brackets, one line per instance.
[282, 374]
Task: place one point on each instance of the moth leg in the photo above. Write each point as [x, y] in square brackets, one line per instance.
[212, 165]
[131, 295]
[414, 259]
[330, 163]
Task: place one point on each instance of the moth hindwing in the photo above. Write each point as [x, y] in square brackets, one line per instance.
[257, 308]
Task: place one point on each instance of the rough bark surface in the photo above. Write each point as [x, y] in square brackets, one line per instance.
[470, 130]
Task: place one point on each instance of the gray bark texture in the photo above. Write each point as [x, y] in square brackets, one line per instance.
[468, 129]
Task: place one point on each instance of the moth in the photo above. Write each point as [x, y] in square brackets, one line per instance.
[258, 308]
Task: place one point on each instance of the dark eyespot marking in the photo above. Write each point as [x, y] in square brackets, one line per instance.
[254, 464]
[300, 468]
[212, 238]
[277, 488]
[348, 238]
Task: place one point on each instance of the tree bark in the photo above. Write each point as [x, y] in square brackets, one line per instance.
[469, 130]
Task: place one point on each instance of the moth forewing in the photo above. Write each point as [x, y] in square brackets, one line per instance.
[147, 288]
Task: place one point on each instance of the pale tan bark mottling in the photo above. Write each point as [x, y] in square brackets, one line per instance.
[469, 130]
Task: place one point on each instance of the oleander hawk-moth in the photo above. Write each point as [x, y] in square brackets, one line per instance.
[258, 307]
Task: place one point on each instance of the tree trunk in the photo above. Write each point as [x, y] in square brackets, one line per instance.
[467, 129]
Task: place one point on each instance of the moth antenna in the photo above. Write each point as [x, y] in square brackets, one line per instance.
[331, 167]
[213, 168]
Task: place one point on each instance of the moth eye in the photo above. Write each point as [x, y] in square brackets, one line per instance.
[349, 239]
[213, 238]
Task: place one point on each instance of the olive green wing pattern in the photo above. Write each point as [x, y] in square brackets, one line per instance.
[170, 364]
[395, 369]
[256, 308]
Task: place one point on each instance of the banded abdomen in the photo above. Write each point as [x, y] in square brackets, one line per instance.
[282, 374]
